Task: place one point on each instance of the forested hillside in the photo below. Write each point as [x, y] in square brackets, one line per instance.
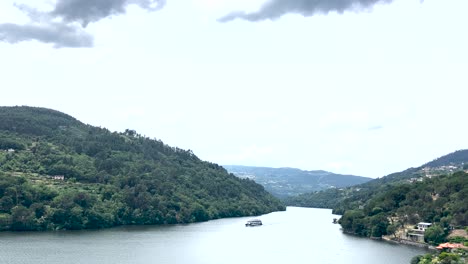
[105, 178]
[351, 197]
[285, 182]
[441, 200]
[436, 192]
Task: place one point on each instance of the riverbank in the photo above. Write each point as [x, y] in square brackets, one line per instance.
[408, 242]
[398, 241]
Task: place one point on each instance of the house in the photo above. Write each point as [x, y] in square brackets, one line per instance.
[58, 177]
[423, 226]
[417, 234]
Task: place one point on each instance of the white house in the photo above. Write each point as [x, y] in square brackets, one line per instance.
[417, 234]
[58, 177]
[423, 226]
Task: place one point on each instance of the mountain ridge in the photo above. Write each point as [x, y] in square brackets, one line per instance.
[286, 181]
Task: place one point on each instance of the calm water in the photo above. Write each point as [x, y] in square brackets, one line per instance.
[298, 235]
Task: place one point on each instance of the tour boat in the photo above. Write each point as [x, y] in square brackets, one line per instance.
[254, 222]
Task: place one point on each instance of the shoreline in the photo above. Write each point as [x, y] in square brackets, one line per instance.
[397, 241]
[409, 243]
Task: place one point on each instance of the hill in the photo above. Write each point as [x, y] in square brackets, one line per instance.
[58, 173]
[285, 182]
[440, 200]
[355, 196]
[436, 192]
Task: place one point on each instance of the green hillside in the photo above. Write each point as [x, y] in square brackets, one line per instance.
[286, 182]
[341, 199]
[110, 178]
[436, 192]
[441, 200]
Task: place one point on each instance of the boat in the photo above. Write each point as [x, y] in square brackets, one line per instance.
[254, 222]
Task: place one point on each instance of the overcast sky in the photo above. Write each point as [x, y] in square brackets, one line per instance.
[362, 87]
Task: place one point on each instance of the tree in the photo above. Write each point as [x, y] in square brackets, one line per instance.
[434, 234]
[379, 225]
[23, 218]
[349, 218]
[392, 229]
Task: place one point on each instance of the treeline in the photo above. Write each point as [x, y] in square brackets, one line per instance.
[321, 199]
[109, 178]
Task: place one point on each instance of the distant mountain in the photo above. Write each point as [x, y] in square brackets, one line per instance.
[59, 173]
[351, 197]
[285, 182]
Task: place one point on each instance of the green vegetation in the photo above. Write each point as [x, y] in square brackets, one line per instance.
[442, 200]
[289, 182]
[110, 178]
[321, 199]
[342, 199]
[457, 257]
[435, 234]
[436, 192]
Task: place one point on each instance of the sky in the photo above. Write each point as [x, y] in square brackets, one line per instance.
[363, 87]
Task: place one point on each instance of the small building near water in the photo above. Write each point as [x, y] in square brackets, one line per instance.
[417, 234]
[423, 226]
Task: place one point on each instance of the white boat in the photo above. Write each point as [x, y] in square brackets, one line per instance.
[254, 222]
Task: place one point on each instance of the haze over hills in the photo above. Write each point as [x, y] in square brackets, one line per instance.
[284, 182]
[59, 173]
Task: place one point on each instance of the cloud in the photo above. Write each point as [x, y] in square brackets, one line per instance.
[64, 25]
[58, 34]
[86, 11]
[277, 8]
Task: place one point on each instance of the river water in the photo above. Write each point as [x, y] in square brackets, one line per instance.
[298, 235]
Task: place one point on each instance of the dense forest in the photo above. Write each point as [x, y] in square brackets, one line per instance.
[58, 173]
[287, 182]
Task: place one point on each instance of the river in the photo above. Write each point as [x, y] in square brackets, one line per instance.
[298, 235]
